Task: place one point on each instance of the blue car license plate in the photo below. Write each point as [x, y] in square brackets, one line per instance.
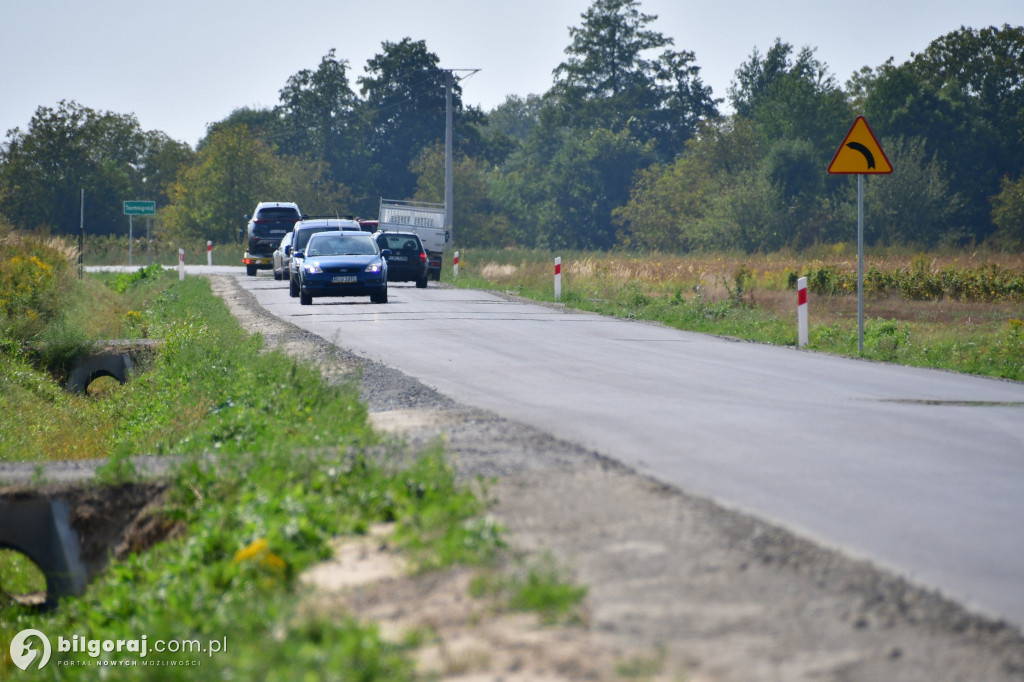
[343, 279]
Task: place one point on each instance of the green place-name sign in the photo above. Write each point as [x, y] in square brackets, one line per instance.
[140, 208]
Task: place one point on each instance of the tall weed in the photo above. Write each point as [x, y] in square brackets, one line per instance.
[35, 276]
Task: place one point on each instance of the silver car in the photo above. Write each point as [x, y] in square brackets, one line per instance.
[283, 257]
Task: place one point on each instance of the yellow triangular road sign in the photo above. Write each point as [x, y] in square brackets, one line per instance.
[860, 152]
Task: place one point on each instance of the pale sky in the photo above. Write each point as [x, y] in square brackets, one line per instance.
[181, 65]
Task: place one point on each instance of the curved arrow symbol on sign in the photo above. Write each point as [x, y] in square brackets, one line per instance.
[857, 146]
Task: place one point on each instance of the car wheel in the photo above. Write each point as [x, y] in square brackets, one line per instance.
[250, 270]
[277, 275]
[421, 283]
[305, 299]
[382, 297]
[293, 287]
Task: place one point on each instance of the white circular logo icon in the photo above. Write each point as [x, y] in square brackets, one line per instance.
[24, 655]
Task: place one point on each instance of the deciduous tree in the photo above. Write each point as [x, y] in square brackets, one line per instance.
[611, 80]
[1008, 213]
[478, 219]
[913, 205]
[320, 117]
[404, 100]
[791, 97]
[68, 149]
[964, 97]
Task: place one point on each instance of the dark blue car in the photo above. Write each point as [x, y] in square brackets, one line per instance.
[343, 264]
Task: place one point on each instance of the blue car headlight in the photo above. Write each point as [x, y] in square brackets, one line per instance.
[312, 268]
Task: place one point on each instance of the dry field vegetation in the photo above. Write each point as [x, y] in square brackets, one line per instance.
[955, 310]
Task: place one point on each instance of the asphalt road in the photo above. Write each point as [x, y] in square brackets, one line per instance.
[920, 471]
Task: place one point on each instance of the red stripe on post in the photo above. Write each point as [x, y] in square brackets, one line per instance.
[558, 268]
[801, 297]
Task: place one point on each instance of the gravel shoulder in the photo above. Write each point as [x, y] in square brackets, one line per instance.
[680, 587]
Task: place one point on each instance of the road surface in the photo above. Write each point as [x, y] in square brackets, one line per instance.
[920, 471]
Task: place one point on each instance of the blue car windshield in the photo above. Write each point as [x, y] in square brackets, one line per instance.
[340, 246]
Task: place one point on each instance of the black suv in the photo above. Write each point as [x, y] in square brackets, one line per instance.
[408, 260]
[271, 221]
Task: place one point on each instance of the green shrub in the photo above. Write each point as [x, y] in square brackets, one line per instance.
[1009, 351]
[884, 339]
[742, 279]
[60, 346]
[34, 278]
[539, 586]
[633, 297]
[122, 282]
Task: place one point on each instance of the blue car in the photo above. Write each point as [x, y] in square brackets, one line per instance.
[343, 264]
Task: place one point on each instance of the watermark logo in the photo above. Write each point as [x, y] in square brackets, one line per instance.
[26, 652]
[22, 652]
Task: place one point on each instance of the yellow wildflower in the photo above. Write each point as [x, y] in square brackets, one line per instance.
[259, 550]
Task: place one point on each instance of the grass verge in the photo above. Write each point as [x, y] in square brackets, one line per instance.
[276, 463]
[538, 585]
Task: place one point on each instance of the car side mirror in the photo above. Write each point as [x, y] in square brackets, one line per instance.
[298, 254]
[288, 250]
[386, 253]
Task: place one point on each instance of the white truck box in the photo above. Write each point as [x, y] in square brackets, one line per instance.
[425, 219]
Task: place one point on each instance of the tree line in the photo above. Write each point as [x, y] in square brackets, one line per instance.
[628, 148]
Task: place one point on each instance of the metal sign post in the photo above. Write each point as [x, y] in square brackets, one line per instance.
[449, 183]
[81, 236]
[449, 208]
[860, 154]
[860, 262]
[134, 208]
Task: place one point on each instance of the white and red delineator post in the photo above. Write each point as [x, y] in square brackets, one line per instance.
[558, 278]
[801, 312]
[455, 265]
[181, 265]
[209, 253]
